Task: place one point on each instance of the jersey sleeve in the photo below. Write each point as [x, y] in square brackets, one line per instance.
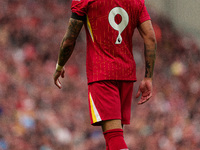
[79, 7]
[144, 15]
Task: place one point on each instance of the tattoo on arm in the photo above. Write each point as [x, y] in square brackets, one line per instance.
[150, 56]
[69, 40]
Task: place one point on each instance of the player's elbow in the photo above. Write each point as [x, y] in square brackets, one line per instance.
[150, 39]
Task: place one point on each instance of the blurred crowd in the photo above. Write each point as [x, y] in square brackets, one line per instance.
[36, 115]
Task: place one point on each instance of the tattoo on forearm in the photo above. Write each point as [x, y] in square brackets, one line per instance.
[69, 40]
[150, 56]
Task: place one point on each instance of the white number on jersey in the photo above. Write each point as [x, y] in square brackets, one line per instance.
[122, 25]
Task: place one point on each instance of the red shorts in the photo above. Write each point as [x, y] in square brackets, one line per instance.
[110, 100]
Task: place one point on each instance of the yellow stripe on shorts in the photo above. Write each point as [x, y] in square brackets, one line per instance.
[95, 115]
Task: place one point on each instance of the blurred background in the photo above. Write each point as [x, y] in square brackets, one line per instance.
[36, 115]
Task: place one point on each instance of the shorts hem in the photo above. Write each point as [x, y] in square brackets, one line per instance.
[99, 123]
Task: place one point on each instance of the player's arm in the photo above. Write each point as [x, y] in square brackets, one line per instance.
[67, 46]
[147, 32]
[69, 40]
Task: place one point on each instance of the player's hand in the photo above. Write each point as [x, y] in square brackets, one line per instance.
[145, 89]
[56, 76]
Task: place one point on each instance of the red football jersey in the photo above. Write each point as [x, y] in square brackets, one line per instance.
[109, 28]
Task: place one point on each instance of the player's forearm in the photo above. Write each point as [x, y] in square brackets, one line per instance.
[69, 40]
[150, 57]
[66, 50]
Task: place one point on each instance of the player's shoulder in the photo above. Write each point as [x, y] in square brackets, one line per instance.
[140, 3]
[83, 1]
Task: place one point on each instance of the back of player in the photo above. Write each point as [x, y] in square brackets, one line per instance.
[111, 68]
[110, 26]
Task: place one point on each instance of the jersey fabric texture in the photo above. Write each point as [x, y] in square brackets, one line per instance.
[109, 28]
